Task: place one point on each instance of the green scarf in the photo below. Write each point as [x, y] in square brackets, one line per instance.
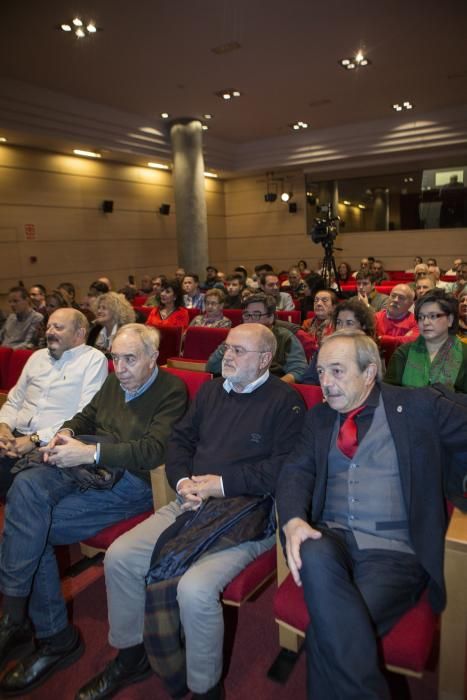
[421, 371]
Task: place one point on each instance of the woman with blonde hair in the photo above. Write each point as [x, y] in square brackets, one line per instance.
[113, 311]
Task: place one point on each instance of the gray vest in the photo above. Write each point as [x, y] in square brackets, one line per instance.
[364, 494]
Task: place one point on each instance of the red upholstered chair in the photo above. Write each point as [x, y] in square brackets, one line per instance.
[193, 312]
[170, 345]
[290, 316]
[193, 380]
[139, 299]
[17, 361]
[200, 342]
[235, 316]
[387, 287]
[309, 393]
[5, 356]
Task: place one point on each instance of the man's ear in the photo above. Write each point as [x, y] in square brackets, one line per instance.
[370, 373]
[153, 360]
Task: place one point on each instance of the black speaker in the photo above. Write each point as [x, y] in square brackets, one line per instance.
[164, 209]
[292, 207]
[107, 206]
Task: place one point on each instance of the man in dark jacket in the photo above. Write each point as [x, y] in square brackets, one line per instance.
[231, 443]
[361, 504]
[129, 418]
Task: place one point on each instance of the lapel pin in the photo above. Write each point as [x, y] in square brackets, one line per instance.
[399, 409]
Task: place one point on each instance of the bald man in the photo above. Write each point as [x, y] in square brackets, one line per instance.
[230, 444]
[397, 320]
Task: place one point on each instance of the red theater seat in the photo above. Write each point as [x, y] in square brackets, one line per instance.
[235, 315]
[5, 356]
[290, 316]
[200, 342]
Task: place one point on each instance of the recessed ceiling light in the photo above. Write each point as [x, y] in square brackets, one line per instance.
[65, 27]
[204, 127]
[80, 28]
[206, 174]
[77, 22]
[298, 125]
[165, 115]
[357, 61]
[207, 116]
[235, 93]
[91, 28]
[2, 139]
[228, 94]
[347, 203]
[405, 105]
[158, 166]
[80, 33]
[87, 154]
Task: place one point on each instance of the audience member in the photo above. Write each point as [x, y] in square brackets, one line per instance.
[131, 417]
[155, 299]
[213, 316]
[379, 274]
[234, 286]
[416, 261]
[314, 283]
[365, 548]
[211, 466]
[303, 267]
[68, 292]
[113, 311]
[436, 274]
[397, 320]
[107, 282]
[437, 355]
[269, 284]
[24, 327]
[294, 285]
[55, 383]
[54, 300]
[170, 312]
[456, 263]
[364, 267]
[344, 272]
[96, 288]
[321, 324]
[289, 361]
[243, 272]
[37, 295]
[460, 284]
[193, 298]
[145, 285]
[211, 281]
[424, 285]
[179, 274]
[367, 293]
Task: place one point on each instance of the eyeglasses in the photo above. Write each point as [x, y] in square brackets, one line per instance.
[238, 350]
[429, 317]
[253, 316]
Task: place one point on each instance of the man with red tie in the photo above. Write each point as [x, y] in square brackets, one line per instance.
[361, 504]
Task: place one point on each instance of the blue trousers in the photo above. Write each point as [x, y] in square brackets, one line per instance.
[353, 596]
[45, 508]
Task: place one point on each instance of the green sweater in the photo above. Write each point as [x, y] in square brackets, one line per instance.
[140, 427]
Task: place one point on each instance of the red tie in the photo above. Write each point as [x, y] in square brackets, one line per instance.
[347, 440]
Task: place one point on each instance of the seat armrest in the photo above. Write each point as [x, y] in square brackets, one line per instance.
[162, 492]
[456, 535]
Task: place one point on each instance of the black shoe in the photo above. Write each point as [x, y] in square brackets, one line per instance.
[14, 639]
[215, 693]
[113, 678]
[38, 666]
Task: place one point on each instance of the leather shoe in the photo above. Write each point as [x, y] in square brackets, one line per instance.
[14, 639]
[215, 693]
[38, 666]
[113, 678]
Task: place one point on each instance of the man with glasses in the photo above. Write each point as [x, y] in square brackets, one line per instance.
[230, 444]
[127, 423]
[397, 320]
[289, 361]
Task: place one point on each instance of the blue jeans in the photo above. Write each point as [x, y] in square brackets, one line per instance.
[45, 508]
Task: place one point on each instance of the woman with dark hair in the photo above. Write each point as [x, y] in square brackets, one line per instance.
[303, 267]
[355, 315]
[344, 272]
[170, 311]
[54, 300]
[437, 356]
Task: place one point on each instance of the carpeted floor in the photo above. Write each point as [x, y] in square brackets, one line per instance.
[254, 648]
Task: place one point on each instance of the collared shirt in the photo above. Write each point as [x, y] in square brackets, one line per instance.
[249, 389]
[50, 391]
[194, 302]
[364, 419]
[130, 395]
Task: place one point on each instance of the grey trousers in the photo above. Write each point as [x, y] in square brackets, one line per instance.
[126, 565]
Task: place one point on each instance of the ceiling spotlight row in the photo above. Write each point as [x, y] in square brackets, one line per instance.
[80, 28]
[357, 61]
[405, 105]
[228, 94]
[349, 204]
[298, 125]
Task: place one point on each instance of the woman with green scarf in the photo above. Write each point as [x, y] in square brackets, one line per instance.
[437, 356]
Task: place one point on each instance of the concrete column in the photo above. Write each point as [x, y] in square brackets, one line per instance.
[190, 200]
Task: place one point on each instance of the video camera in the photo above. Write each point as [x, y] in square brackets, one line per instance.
[326, 228]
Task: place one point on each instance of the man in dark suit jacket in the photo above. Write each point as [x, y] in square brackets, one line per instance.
[361, 504]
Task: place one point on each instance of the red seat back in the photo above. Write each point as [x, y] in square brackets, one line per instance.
[311, 394]
[170, 345]
[235, 316]
[290, 316]
[139, 299]
[193, 312]
[193, 380]
[200, 342]
[17, 361]
[5, 357]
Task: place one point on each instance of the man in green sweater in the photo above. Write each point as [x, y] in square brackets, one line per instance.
[128, 423]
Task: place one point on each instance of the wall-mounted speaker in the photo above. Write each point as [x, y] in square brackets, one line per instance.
[164, 209]
[107, 206]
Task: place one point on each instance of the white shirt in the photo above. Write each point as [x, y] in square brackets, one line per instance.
[49, 391]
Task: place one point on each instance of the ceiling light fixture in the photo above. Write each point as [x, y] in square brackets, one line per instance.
[357, 61]
[206, 174]
[2, 139]
[165, 115]
[361, 206]
[81, 29]
[228, 94]
[86, 154]
[286, 196]
[347, 203]
[204, 127]
[207, 116]
[298, 125]
[400, 107]
[158, 166]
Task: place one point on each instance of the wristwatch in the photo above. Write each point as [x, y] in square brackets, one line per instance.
[34, 437]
